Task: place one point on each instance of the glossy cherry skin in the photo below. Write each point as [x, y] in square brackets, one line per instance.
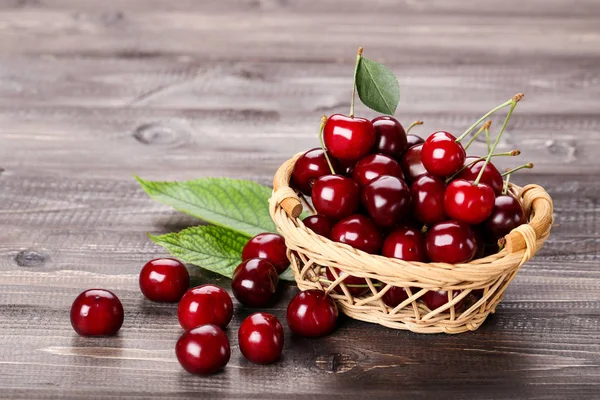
[394, 296]
[463, 201]
[348, 138]
[434, 299]
[269, 246]
[390, 137]
[312, 314]
[97, 312]
[359, 232]
[405, 243]
[373, 166]
[427, 193]
[309, 167]
[506, 216]
[336, 196]
[387, 200]
[411, 163]
[254, 282]
[320, 224]
[164, 280]
[203, 350]
[349, 281]
[491, 176]
[442, 155]
[413, 140]
[261, 338]
[450, 242]
[206, 304]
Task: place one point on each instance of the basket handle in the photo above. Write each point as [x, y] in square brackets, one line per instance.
[283, 194]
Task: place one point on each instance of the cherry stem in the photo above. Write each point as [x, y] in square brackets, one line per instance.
[515, 99]
[505, 188]
[413, 125]
[485, 127]
[524, 166]
[487, 140]
[323, 121]
[512, 153]
[358, 57]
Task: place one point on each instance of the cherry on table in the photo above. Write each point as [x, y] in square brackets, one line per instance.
[435, 299]
[356, 286]
[359, 232]
[269, 246]
[390, 137]
[373, 166]
[309, 167]
[336, 196]
[348, 138]
[450, 242]
[97, 312]
[254, 282]
[427, 192]
[411, 163]
[206, 304]
[442, 155]
[491, 176]
[405, 243]
[506, 215]
[312, 313]
[464, 201]
[413, 140]
[164, 280]
[387, 200]
[203, 350]
[320, 224]
[261, 338]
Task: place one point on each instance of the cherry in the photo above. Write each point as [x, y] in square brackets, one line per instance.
[413, 140]
[261, 338]
[269, 246]
[206, 304]
[450, 242]
[394, 296]
[164, 280]
[349, 281]
[97, 312]
[405, 243]
[411, 163]
[336, 196]
[359, 232]
[254, 282]
[390, 137]
[312, 314]
[506, 216]
[374, 166]
[308, 168]
[467, 202]
[442, 155]
[427, 192]
[348, 138]
[434, 299]
[387, 200]
[491, 176]
[320, 224]
[203, 350]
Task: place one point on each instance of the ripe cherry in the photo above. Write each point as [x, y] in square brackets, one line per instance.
[203, 350]
[450, 242]
[427, 192]
[434, 299]
[356, 286]
[387, 200]
[464, 201]
[506, 216]
[164, 280]
[413, 140]
[390, 137]
[359, 232]
[312, 314]
[309, 167]
[269, 246]
[336, 196]
[261, 338]
[411, 163]
[254, 282]
[373, 166]
[348, 138]
[320, 224]
[206, 304]
[405, 243]
[491, 176]
[97, 312]
[394, 296]
[442, 155]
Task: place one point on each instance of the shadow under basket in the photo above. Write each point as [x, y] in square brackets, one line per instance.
[479, 285]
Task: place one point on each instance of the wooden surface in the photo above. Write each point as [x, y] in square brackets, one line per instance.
[93, 92]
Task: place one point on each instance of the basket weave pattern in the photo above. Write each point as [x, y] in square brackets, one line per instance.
[311, 254]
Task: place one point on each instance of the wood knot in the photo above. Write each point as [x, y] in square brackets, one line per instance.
[160, 134]
[336, 363]
[31, 258]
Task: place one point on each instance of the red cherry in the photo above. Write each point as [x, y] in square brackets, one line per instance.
[387, 200]
[261, 338]
[466, 202]
[336, 196]
[254, 282]
[206, 304]
[203, 350]
[394, 296]
[269, 246]
[411, 163]
[405, 243]
[506, 216]
[442, 155]
[309, 167]
[390, 137]
[164, 280]
[491, 176]
[348, 138]
[359, 232]
[97, 312]
[374, 166]
[434, 299]
[413, 140]
[350, 282]
[320, 224]
[427, 192]
[312, 314]
[450, 242]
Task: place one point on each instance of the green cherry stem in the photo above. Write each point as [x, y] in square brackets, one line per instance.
[323, 121]
[413, 125]
[358, 57]
[485, 127]
[512, 153]
[524, 166]
[505, 188]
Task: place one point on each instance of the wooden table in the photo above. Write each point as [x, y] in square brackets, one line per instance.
[92, 93]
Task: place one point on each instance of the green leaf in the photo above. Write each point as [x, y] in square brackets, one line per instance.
[232, 203]
[377, 86]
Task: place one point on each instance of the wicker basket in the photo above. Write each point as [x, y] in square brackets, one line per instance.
[310, 255]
